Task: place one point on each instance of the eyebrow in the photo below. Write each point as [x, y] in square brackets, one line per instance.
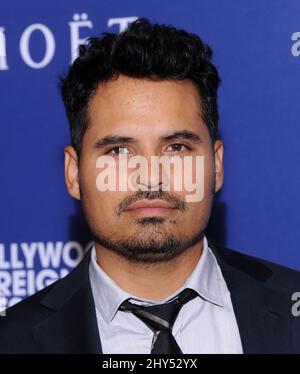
[184, 135]
[112, 140]
[117, 139]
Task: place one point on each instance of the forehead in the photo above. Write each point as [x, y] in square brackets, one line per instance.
[134, 105]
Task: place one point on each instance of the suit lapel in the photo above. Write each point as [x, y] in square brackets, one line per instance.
[261, 313]
[73, 326]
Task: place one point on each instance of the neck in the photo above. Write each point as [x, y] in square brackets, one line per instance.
[149, 281]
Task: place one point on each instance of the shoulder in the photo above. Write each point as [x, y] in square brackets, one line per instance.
[17, 322]
[17, 326]
[273, 275]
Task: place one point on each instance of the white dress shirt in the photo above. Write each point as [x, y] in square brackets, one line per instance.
[206, 324]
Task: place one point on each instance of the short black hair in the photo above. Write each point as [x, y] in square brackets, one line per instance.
[144, 50]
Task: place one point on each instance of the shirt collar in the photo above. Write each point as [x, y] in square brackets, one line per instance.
[108, 296]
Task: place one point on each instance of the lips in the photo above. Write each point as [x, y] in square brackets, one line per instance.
[152, 208]
[146, 204]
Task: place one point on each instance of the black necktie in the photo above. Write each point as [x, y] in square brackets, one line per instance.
[160, 319]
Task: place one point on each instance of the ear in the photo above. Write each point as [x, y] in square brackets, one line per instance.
[219, 173]
[71, 172]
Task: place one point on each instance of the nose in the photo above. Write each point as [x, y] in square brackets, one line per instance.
[150, 175]
[148, 180]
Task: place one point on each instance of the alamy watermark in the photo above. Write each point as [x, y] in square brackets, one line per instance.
[296, 305]
[136, 173]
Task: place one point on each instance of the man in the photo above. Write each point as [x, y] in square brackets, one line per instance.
[152, 283]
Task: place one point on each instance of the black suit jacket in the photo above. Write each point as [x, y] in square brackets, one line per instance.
[61, 318]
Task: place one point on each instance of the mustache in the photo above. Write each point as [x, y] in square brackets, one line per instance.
[173, 200]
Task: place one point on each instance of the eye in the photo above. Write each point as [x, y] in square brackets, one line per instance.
[177, 147]
[118, 151]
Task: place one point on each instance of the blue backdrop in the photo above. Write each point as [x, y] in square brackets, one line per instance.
[257, 51]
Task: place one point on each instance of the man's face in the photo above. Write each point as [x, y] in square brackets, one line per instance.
[140, 117]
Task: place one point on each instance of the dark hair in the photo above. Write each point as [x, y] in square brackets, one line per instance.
[144, 50]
